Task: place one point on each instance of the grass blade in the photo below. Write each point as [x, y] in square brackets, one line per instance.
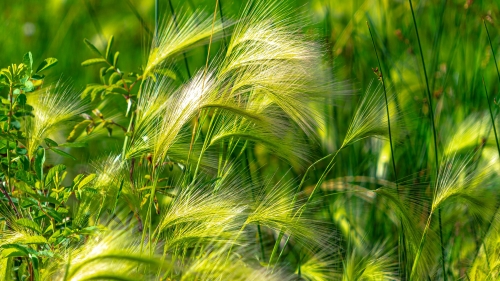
[431, 110]
[392, 148]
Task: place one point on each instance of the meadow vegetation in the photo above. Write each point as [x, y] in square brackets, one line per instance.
[267, 140]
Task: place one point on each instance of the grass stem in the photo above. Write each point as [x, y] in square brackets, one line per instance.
[391, 146]
[496, 138]
[431, 110]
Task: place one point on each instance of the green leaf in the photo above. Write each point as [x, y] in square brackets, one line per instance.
[88, 90]
[74, 144]
[15, 124]
[52, 173]
[28, 86]
[62, 153]
[115, 58]
[166, 72]
[113, 78]
[54, 214]
[93, 61]
[29, 224]
[110, 69]
[28, 62]
[49, 228]
[50, 142]
[97, 91]
[37, 239]
[46, 64]
[39, 160]
[102, 74]
[117, 89]
[24, 162]
[12, 252]
[45, 199]
[108, 48]
[78, 129]
[92, 47]
[26, 177]
[21, 99]
[77, 180]
[46, 253]
[36, 266]
[37, 76]
[86, 181]
[21, 151]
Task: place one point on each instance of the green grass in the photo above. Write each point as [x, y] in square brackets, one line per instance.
[274, 140]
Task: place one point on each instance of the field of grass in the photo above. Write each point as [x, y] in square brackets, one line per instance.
[250, 140]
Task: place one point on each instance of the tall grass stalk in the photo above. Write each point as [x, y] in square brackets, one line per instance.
[176, 26]
[141, 20]
[492, 50]
[193, 135]
[157, 16]
[402, 234]
[496, 137]
[246, 156]
[302, 209]
[498, 150]
[437, 42]
[431, 111]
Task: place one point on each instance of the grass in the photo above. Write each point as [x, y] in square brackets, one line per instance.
[434, 135]
[269, 140]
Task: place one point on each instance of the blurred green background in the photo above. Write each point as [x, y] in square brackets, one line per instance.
[449, 29]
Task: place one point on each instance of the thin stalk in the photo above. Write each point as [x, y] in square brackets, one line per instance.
[138, 16]
[157, 16]
[259, 232]
[429, 96]
[97, 26]
[206, 143]
[437, 43]
[421, 246]
[391, 145]
[222, 23]
[177, 27]
[149, 214]
[431, 109]
[8, 189]
[498, 150]
[302, 209]
[492, 50]
[203, 84]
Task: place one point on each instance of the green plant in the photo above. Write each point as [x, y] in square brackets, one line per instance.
[224, 155]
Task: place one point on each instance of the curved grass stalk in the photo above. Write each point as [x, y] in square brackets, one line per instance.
[431, 110]
[392, 148]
